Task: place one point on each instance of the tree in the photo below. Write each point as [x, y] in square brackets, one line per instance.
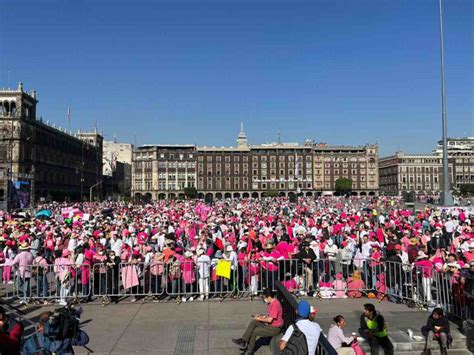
[271, 193]
[466, 189]
[343, 186]
[190, 192]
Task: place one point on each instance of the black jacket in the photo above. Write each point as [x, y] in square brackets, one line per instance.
[442, 322]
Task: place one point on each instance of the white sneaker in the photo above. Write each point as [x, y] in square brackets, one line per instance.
[183, 299]
[201, 298]
[191, 299]
[62, 303]
[10, 282]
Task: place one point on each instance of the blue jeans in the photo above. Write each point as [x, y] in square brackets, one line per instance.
[42, 285]
[23, 284]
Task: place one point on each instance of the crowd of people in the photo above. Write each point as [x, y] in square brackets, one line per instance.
[323, 247]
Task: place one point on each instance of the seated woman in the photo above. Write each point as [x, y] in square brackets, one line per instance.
[336, 337]
[355, 285]
[436, 328]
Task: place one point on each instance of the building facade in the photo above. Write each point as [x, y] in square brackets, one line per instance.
[461, 156]
[117, 169]
[163, 171]
[402, 174]
[39, 160]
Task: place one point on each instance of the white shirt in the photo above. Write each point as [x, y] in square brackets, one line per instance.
[203, 262]
[116, 246]
[311, 330]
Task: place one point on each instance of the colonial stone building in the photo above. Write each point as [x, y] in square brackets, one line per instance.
[401, 174]
[39, 160]
[161, 171]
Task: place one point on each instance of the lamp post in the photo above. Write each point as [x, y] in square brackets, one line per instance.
[446, 196]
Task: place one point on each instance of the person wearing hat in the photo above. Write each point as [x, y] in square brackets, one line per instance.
[203, 265]
[310, 329]
[24, 261]
[307, 257]
[231, 256]
[262, 325]
[426, 266]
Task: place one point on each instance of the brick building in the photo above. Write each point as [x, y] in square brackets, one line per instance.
[162, 171]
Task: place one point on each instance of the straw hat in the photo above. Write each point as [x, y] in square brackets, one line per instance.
[24, 246]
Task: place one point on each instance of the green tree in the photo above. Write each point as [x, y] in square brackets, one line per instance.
[343, 186]
[466, 189]
[271, 193]
[190, 192]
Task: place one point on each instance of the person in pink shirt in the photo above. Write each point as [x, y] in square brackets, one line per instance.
[339, 286]
[24, 262]
[355, 285]
[262, 325]
[422, 262]
[270, 260]
[62, 268]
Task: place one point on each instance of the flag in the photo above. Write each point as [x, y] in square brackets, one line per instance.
[69, 113]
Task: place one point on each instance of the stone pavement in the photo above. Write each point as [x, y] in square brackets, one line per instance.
[208, 327]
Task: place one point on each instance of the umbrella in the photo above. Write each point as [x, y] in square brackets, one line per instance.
[44, 213]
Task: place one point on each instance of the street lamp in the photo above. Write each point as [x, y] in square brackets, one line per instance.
[446, 195]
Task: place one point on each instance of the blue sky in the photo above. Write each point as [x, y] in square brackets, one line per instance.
[341, 72]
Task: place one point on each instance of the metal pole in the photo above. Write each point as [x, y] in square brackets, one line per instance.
[82, 169]
[92, 187]
[446, 196]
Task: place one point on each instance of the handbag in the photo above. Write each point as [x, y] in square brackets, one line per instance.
[357, 349]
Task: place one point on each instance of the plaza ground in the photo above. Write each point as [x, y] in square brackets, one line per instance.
[207, 327]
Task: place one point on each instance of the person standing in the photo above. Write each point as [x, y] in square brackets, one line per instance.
[310, 329]
[374, 328]
[262, 325]
[24, 262]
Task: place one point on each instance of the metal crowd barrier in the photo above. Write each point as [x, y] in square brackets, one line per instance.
[324, 278]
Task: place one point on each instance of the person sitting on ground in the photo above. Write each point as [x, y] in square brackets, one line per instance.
[437, 327]
[374, 329]
[37, 343]
[338, 340]
[262, 325]
[310, 329]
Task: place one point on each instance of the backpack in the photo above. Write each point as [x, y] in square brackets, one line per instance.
[297, 344]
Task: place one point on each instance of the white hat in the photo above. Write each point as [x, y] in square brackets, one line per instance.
[229, 248]
[188, 254]
[200, 251]
[330, 242]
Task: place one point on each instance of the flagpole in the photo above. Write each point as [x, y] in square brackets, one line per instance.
[69, 118]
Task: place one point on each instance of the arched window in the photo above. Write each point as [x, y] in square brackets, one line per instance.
[6, 106]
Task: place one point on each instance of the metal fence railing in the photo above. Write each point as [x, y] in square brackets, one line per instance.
[191, 279]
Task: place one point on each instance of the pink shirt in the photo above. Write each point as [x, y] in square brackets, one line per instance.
[276, 312]
[24, 260]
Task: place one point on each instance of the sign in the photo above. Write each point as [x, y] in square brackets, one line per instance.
[223, 268]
